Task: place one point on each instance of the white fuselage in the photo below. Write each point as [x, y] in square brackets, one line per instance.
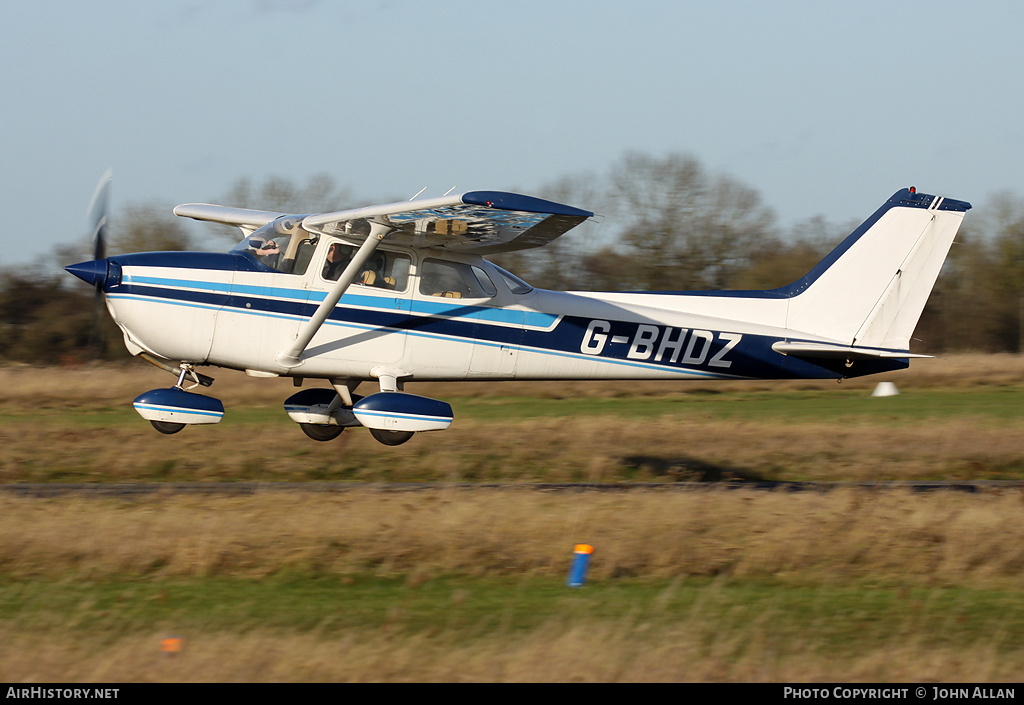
[244, 319]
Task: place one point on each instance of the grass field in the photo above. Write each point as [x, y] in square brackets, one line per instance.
[956, 419]
[450, 584]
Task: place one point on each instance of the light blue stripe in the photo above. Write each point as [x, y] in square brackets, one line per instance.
[532, 319]
[178, 409]
[445, 309]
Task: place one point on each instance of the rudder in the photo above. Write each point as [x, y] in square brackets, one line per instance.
[870, 291]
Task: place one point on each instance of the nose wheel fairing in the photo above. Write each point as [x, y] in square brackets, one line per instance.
[176, 406]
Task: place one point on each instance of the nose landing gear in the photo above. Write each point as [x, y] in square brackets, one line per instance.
[170, 410]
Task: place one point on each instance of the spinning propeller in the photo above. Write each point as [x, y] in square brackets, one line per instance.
[98, 215]
[94, 272]
[98, 219]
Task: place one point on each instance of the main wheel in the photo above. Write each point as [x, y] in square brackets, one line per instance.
[320, 432]
[391, 438]
[167, 427]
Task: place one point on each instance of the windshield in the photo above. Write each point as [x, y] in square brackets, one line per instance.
[280, 245]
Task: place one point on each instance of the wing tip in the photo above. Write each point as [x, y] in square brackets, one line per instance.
[504, 200]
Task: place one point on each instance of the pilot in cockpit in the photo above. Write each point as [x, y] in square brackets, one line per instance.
[267, 251]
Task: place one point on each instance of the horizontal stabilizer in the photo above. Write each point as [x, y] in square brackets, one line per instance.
[827, 351]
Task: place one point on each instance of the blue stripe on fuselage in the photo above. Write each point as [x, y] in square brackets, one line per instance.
[446, 308]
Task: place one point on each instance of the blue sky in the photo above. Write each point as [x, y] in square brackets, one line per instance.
[826, 108]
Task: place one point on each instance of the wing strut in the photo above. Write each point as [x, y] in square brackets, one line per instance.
[292, 356]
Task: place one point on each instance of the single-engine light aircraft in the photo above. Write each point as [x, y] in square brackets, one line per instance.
[401, 292]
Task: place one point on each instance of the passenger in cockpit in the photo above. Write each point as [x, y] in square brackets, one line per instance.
[338, 257]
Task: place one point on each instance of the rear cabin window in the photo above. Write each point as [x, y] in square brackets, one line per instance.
[455, 280]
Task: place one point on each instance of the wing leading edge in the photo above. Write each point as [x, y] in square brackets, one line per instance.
[245, 218]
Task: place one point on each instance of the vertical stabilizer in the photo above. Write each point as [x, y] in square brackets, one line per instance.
[870, 291]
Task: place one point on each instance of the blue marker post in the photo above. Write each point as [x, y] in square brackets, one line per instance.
[578, 570]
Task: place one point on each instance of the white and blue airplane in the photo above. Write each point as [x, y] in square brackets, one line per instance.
[401, 292]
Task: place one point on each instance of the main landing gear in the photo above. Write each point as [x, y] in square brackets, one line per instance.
[321, 432]
[166, 427]
[391, 416]
[390, 438]
[324, 432]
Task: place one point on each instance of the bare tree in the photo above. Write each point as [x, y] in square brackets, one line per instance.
[778, 260]
[678, 227]
[319, 195]
[148, 228]
[560, 264]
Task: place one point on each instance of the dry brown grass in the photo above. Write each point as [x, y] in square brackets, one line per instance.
[553, 449]
[837, 537]
[594, 448]
[595, 652]
[888, 541]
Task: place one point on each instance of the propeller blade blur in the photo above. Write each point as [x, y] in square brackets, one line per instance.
[98, 215]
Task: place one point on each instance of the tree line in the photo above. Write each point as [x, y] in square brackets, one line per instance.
[666, 223]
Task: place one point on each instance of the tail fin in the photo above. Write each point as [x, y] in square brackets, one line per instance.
[870, 291]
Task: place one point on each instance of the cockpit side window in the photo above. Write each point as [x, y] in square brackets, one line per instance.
[383, 270]
[454, 280]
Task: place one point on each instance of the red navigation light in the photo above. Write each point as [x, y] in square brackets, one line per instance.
[913, 189]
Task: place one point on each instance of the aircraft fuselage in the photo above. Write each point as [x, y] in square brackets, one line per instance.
[228, 310]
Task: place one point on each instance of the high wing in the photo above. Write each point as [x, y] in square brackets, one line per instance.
[480, 222]
[247, 219]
